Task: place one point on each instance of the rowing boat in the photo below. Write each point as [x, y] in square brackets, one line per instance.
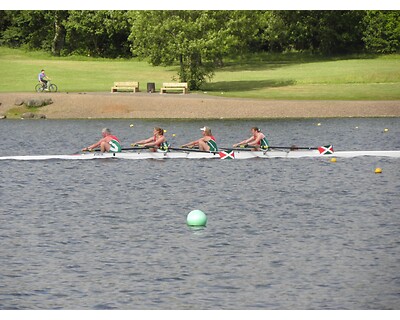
[237, 154]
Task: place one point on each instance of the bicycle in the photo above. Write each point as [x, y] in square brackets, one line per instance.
[51, 87]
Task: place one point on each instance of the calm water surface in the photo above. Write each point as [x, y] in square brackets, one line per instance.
[281, 233]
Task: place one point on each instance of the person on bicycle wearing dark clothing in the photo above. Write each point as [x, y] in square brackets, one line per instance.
[43, 78]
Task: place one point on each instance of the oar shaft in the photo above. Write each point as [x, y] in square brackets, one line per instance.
[294, 148]
[122, 149]
[134, 148]
[191, 150]
[237, 149]
[270, 147]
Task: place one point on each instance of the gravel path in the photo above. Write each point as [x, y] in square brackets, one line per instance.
[193, 106]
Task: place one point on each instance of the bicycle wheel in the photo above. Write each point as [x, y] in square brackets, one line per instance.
[39, 88]
[53, 88]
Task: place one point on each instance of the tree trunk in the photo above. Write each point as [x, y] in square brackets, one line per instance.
[59, 33]
[182, 68]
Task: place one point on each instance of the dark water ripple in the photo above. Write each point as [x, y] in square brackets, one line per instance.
[282, 234]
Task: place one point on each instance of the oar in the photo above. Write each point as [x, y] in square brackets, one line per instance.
[122, 149]
[247, 148]
[136, 147]
[293, 148]
[190, 149]
[236, 149]
[327, 149]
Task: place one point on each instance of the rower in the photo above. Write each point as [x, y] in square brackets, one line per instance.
[257, 141]
[157, 141]
[109, 143]
[206, 143]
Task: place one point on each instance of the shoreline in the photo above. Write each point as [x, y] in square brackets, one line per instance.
[142, 105]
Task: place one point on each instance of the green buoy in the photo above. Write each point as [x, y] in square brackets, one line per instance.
[196, 218]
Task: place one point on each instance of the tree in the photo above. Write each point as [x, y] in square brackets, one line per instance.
[58, 42]
[382, 31]
[326, 32]
[197, 40]
[28, 28]
[98, 33]
[35, 29]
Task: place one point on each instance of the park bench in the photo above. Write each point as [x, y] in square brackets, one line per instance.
[174, 86]
[125, 86]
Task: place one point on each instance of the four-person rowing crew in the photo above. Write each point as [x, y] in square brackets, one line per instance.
[158, 142]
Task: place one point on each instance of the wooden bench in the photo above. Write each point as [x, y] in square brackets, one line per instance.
[174, 86]
[125, 86]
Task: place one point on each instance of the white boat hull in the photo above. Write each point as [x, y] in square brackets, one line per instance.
[140, 155]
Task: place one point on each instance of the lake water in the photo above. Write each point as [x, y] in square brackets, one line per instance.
[281, 233]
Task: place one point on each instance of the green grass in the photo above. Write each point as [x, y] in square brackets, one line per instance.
[17, 111]
[74, 74]
[292, 76]
[362, 78]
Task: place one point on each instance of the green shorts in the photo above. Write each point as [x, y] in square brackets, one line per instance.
[115, 146]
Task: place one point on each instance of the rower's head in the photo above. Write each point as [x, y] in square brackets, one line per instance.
[158, 131]
[255, 130]
[105, 132]
[206, 131]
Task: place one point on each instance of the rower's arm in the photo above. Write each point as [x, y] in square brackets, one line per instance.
[143, 141]
[243, 142]
[156, 143]
[193, 143]
[93, 146]
[256, 140]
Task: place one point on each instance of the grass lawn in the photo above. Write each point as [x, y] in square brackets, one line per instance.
[260, 76]
[74, 74]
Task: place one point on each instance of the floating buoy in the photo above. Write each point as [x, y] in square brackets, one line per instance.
[165, 131]
[318, 124]
[378, 170]
[333, 159]
[173, 134]
[196, 218]
[131, 125]
[386, 130]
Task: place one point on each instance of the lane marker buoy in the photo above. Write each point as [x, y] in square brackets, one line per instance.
[196, 218]
[378, 170]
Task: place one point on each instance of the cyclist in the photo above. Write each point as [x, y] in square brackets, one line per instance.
[43, 79]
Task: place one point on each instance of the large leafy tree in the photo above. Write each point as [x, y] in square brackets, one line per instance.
[98, 33]
[326, 32]
[32, 29]
[382, 31]
[197, 40]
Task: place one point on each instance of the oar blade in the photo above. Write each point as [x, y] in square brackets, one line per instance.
[325, 149]
[227, 155]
